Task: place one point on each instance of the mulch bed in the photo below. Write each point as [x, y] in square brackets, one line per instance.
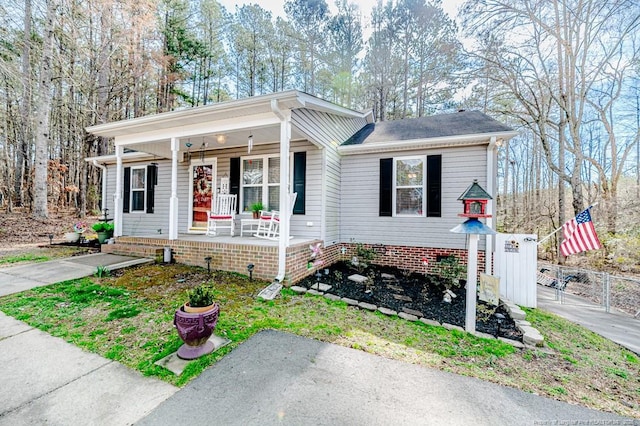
[413, 293]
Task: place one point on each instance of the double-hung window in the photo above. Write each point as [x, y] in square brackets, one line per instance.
[409, 184]
[261, 182]
[138, 187]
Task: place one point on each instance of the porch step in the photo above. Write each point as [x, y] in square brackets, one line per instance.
[124, 249]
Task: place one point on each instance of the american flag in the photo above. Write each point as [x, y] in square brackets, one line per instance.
[579, 235]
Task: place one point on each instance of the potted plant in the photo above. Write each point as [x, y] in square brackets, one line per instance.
[108, 227]
[100, 228]
[195, 322]
[78, 229]
[255, 208]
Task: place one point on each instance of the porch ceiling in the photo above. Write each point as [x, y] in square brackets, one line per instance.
[215, 141]
[208, 126]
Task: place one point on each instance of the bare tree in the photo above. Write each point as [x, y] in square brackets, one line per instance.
[40, 208]
[564, 61]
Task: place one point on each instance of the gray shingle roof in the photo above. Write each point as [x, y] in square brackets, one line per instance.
[435, 126]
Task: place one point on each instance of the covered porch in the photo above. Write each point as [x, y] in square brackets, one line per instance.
[193, 155]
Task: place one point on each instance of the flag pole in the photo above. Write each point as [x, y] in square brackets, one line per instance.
[548, 236]
[551, 234]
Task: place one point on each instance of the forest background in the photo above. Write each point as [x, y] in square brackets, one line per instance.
[564, 73]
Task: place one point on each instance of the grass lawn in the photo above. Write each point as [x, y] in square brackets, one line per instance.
[16, 257]
[128, 318]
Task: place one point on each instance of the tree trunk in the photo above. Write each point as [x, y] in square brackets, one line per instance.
[40, 208]
[25, 111]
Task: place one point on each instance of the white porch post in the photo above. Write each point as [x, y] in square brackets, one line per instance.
[285, 208]
[117, 196]
[173, 201]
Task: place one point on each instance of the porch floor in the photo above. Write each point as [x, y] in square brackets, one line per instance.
[227, 239]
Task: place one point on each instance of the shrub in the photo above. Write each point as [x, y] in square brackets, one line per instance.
[201, 296]
[451, 271]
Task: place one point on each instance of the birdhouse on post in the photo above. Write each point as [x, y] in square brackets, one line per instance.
[474, 201]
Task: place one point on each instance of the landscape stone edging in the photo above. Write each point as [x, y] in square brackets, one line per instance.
[530, 335]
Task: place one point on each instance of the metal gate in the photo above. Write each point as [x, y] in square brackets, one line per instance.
[515, 261]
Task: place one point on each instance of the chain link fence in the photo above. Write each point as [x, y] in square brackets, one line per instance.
[599, 287]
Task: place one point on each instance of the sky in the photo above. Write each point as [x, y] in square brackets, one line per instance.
[277, 6]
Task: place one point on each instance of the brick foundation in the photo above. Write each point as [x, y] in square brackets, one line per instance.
[224, 256]
[235, 257]
[406, 257]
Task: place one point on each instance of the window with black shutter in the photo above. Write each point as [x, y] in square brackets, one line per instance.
[139, 189]
[434, 185]
[299, 181]
[386, 187]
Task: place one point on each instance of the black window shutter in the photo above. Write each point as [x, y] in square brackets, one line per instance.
[299, 180]
[434, 185]
[126, 190]
[386, 187]
[152, 180]
[234, 180]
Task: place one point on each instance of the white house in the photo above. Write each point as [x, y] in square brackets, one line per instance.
[391, 185]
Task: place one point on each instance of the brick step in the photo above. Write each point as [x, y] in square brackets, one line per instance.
[125, 249]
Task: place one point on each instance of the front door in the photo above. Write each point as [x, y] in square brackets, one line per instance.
[202, 178]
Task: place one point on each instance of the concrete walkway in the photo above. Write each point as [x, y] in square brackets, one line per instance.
[23, 277]
[278, 378]
[46, 380]
[618, 327]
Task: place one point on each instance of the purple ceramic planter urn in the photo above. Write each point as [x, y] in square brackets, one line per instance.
[194, 330]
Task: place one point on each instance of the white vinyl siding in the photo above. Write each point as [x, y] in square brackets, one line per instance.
[329, 131]
[156, 224]
[360, 220]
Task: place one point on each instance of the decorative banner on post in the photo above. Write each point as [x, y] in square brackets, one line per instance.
[489, 289]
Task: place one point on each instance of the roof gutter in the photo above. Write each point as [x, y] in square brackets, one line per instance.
[103, 202]
[427, 143]
[126, 158]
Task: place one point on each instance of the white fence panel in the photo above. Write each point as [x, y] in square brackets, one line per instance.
[515, 260]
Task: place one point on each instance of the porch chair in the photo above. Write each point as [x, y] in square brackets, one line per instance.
[223, 215]
[269, 222]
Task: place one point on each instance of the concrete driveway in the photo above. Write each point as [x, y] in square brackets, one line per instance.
[277, 378]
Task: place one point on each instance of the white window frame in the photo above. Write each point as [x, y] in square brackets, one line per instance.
[143, 190]
[422, 158]
[265, 177]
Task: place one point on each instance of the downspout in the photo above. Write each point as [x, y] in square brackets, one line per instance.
[103, 203]
[491, 186]
[285, 139]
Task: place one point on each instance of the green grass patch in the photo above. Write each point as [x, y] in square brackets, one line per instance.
[128, 317]
[126, 312]
[26, 257]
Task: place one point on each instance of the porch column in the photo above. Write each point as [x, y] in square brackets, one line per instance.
[285, 208]
[117, 195]
[173, 201]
